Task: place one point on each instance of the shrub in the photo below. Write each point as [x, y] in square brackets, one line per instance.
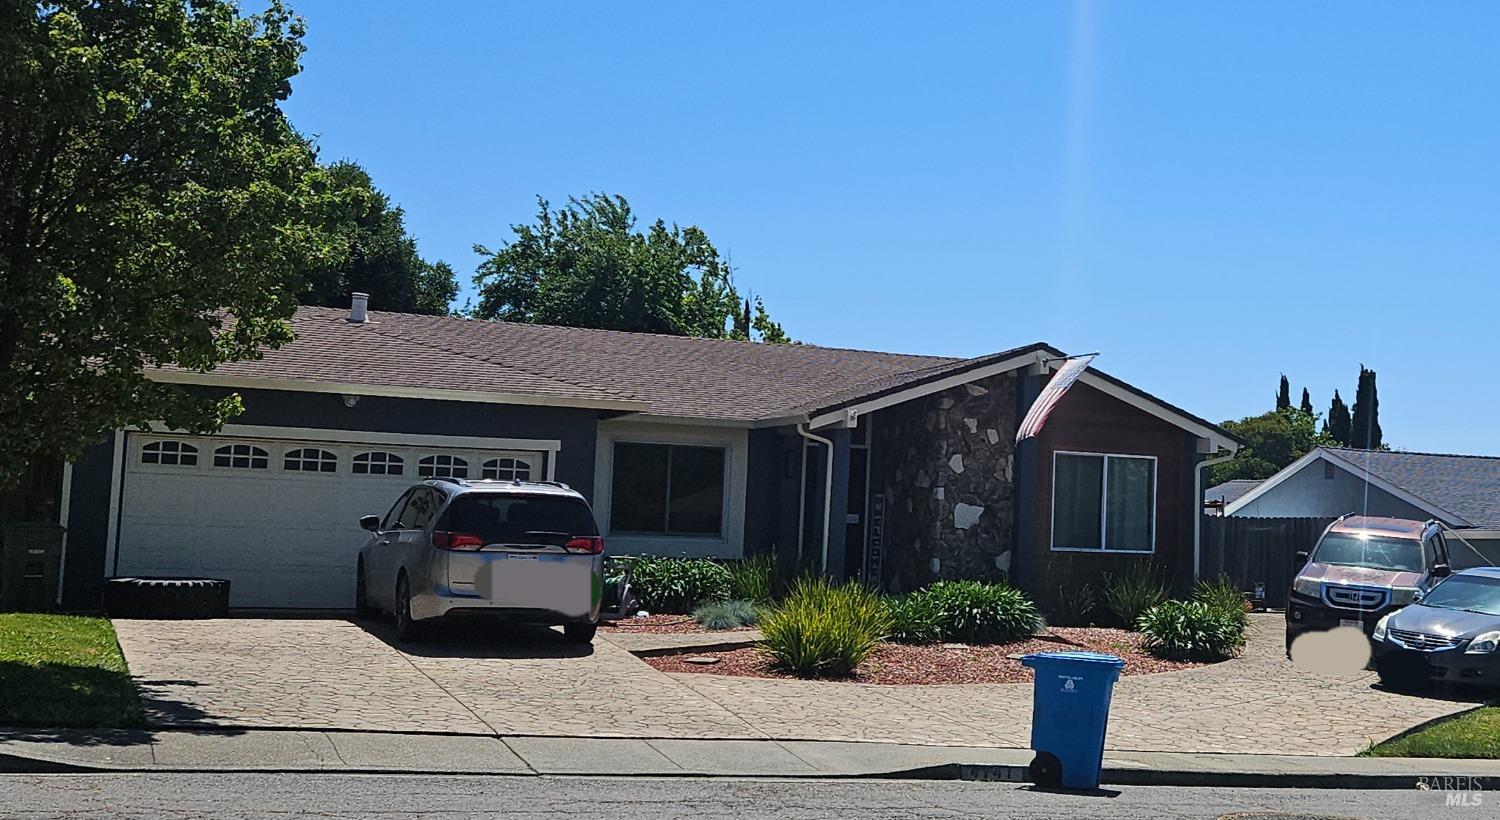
[750, 579]
[1073, 605]
[726, 614]
[678, 584]
[1192, 630]
[973, 612]
[825, 630]
[1130, 593]
[915, 619]
[1221, 593]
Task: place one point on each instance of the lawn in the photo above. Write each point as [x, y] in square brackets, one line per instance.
[64, 671]
[1472, 734]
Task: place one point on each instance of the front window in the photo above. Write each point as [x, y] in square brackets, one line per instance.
[671, 489]
[1103, 502]
[1347, 549]
[1470, 593]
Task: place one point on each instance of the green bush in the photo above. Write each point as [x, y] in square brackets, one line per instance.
[915, 619]
[973, 612]
[1130, 593]
[1192, 630]
[677, 585]
[1073, 605]
[750, 579]
[824, 630]
[726, 614]
[1222, 593]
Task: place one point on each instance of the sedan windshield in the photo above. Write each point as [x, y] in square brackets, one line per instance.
[1348, 550]
[1468, 592]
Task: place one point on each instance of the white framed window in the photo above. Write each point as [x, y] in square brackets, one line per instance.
[1103, 502]
[242, 457]
[310, 460]
[378, 463]
[667, 489]
[170, 453]
[505, 469]
[442, 466]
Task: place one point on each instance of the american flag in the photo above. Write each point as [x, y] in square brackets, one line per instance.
[1051, 395]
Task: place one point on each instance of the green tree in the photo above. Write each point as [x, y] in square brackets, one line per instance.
[1307, 405]
[1272, 441]
[1338, 427]
[1365, 424]
[150, 190]
[586, 265]
[379, 258]
[1284, 394]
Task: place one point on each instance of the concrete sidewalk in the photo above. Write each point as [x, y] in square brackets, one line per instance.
[43, 751]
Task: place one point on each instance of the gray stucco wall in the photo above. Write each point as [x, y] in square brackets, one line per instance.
[1307, 493]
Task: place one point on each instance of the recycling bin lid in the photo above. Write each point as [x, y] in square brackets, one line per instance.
[1071, 657]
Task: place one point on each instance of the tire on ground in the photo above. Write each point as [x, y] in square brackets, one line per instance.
[166, 597]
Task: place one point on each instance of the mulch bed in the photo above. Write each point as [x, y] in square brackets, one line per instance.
[673, 624]
[942, 663]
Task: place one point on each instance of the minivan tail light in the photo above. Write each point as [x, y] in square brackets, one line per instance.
[592, 545]
[465, 541]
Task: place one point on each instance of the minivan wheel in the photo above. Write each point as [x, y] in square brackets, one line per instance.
[580, 633]
[362, 608]
[407, 629]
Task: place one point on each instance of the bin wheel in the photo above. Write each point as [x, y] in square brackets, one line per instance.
[1045, 770]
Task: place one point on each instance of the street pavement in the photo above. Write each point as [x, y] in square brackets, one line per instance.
[352, 796]
[335, 674]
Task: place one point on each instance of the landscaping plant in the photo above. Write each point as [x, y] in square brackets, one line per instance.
[1192, 631]
[915, 619]
[1222, 593]
[1073, 605]
[1130, 593]
[825, 630]
[726, 614]
[676, 585]
[974, 612]
[750, 579]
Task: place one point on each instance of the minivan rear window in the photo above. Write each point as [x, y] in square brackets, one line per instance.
[519, 519]
[1372, 552]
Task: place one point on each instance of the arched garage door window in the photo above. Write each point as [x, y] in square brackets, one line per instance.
[242, 457]
[505, 469]
[443, 467]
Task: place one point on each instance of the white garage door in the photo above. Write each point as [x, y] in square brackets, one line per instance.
[277, 517]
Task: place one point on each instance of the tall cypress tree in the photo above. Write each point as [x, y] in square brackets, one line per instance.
[1339, 426]
[1365, 425]
[1306, 402]
[1284, 394]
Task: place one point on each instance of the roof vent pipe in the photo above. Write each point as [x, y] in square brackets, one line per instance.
[359, 308]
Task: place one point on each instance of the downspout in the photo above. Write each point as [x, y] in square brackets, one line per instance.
[827, 491]
[1198, 513]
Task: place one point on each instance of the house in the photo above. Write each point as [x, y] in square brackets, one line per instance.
[1217, 497]
[1462, 492]
[898, 469]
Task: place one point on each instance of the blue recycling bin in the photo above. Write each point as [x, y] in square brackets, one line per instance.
[1069, 715]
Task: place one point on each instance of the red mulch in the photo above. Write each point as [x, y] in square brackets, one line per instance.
[676, 624]
[942, 663]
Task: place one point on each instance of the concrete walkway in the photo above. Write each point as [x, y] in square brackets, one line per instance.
[328, 674]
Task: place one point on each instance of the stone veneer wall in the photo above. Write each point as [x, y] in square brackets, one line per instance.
[946, 463]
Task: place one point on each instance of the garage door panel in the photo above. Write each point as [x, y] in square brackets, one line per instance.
[283, 538]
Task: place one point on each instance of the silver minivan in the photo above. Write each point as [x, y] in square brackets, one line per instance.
[510, 550]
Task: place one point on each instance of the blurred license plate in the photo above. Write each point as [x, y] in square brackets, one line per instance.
[1354, 622]
[557, 582]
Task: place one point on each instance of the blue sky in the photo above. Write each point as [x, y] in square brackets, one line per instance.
[1209, 195]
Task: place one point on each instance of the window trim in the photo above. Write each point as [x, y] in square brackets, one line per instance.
[516, 465]
[1104, 548]
[723, 449]
[431, 462]
[183, 449]
[390, 458]
[298, 455]
[256, 451]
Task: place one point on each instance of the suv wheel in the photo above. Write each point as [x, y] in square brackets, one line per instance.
[580, 633]
[407, 629]
[362, 607]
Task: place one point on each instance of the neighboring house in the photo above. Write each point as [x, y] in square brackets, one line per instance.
[1217, 497]
[1462, 492]
[684, 446]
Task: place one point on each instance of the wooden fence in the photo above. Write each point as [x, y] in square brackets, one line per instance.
[1253, 551]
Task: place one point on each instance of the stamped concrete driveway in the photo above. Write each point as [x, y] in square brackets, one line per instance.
[335, 674]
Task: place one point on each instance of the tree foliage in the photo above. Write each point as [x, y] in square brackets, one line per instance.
[587, 265]
[1273, 440]
[1306, 406]
[150, 188]
[1284, 394]
[1339, 427]
[1365, 423]
[378, 257]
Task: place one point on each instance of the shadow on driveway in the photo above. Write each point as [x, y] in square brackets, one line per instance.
[479, 639]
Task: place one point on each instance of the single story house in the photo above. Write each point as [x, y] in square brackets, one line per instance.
[1460, 491]
[897, 469]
